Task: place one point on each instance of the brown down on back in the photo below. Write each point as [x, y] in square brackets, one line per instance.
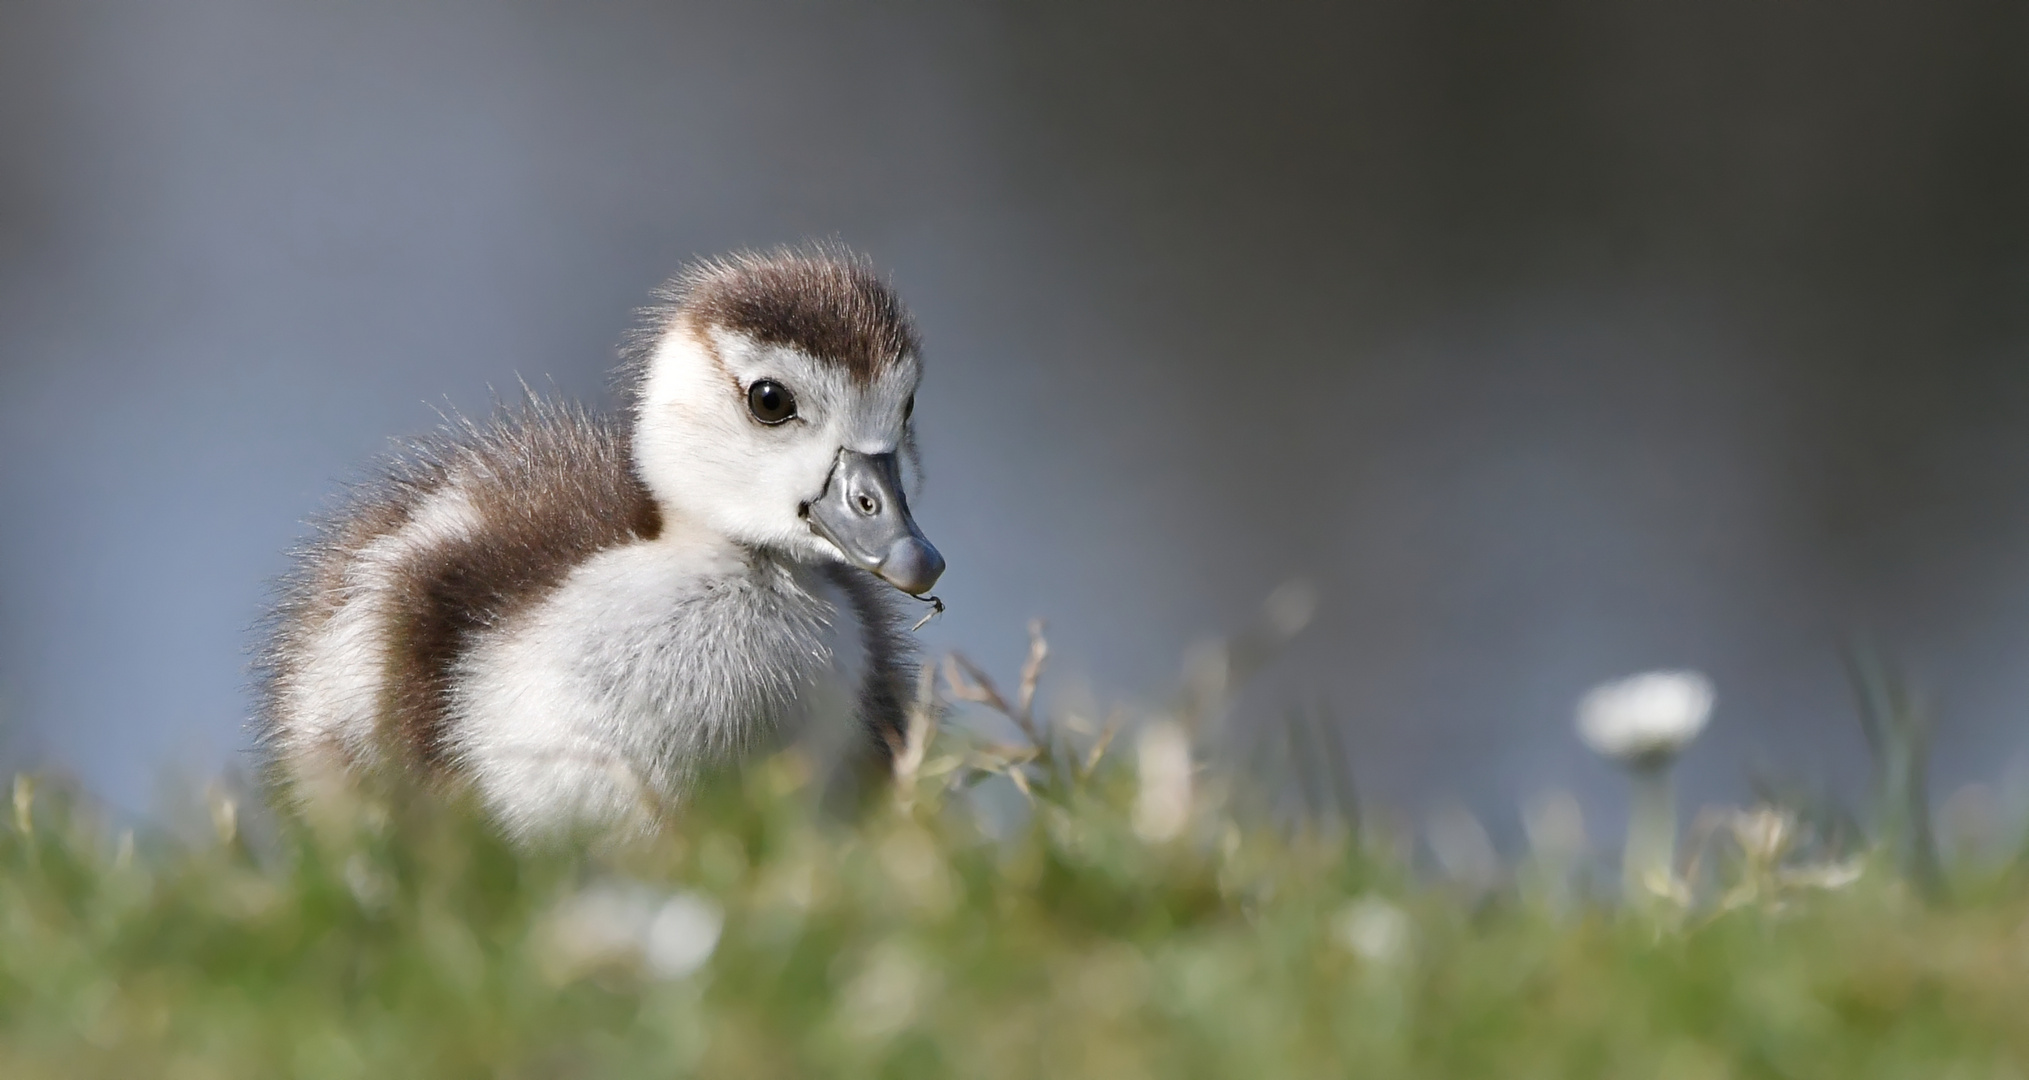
[552, 486]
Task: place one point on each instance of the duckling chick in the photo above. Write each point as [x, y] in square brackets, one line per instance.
[581, 617]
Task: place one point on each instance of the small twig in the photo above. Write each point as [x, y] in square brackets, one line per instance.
[1000, 757]
[1106, 734]
[1032, 669]
[922, 728]
[936, 609]
[1025, 698]
[1021, 783]
[1703, 833]
[968, 683]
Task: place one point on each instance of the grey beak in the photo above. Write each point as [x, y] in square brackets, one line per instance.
[862, 512]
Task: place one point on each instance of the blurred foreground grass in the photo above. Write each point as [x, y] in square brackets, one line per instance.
[1132, 921]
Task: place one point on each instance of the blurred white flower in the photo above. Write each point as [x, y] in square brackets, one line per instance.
[1373, 929]
[625, 924]
[597, 926]
[1162, 806]
[682, 935]
[1642, 722]
[1645, 719]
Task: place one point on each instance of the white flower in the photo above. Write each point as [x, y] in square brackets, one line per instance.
[1163, 804]
[1373, 929]
[682, 935]
[625, 923]
[1645, 719]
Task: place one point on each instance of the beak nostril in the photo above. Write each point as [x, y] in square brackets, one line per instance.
[863, 514]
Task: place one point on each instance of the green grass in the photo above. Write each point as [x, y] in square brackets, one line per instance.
[400, 937]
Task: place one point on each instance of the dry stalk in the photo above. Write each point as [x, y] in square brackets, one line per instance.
[1032, 670]
[1703, 834]
[968, 683]
[915, 743]
[1114, 721]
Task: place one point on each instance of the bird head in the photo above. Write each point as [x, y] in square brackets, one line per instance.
[773, 401]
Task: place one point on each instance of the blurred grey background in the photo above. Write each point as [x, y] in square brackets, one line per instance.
[1553, 341]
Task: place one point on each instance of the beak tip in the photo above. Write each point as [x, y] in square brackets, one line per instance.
[862, 514]
[912, 566]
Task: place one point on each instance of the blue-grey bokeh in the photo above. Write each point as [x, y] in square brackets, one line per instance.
[1552, 341]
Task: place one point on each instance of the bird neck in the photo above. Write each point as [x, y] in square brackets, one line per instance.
[698, 545]
[681, 531]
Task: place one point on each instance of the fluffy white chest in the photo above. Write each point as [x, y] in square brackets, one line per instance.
[650, 664]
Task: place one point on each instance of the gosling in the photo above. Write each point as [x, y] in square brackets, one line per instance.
[581, 618]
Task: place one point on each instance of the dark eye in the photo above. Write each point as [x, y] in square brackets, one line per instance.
[770, 401]
[909, 409]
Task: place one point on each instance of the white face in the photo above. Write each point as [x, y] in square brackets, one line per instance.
[705, 454]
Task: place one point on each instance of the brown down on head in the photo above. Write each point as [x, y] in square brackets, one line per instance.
[826, 301]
